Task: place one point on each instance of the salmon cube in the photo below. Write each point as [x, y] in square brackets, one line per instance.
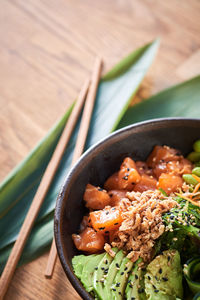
[116, 196]
[96, 197]
[89, 241]
[146, 183]
[105, 220]
[170, 182]
[128, 174]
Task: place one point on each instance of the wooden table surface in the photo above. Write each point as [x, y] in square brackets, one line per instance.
[47, 49]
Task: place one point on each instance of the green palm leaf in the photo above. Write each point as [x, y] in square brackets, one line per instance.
[116, 89]
[182, 100]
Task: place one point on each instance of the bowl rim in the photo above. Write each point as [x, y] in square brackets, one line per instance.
[66, 267]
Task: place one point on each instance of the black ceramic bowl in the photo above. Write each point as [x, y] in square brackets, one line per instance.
[102, 160]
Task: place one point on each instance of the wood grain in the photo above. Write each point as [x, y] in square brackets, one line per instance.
[46, 50]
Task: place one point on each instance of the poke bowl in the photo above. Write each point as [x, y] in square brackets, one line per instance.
[136, 193]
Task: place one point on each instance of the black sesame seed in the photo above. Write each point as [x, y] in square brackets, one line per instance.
[165, 278]
[156, 291]
[106, 231]
[122, 273]
[117, 265]
[113, 208]
[171, 217]
[130, 285]
[116, 223]
[128, 169]
[154, 287]
[132, 298]
[102, 268]
[107, 213]
[136, 276]
[125, 269]
[117, 284]
[119, 293]
[96, 268]
[168, 258]
[149, 277]
[129, 272]
[106, 261]
[129, 281]
[141, 290]
[114, 289]
[101, 228]
[160, 271]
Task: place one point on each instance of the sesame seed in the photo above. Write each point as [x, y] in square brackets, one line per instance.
[154, 287]
[96, 268]
[165, 278]
[122, 273]
[125, 269]
[117, 284]
[117, 265]
[149, 277]
[156, 291]
[160, 270]
[116, 223]
[136, 276]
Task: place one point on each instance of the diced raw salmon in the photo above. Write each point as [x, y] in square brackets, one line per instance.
[116, 196]
[169, 182]
[89, 241]
[112, 182]
[162, 154]
[128, 175]
[106, 219]
[96, 197]
[146, 183]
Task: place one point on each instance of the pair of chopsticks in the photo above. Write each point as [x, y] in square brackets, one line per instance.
[89, 89]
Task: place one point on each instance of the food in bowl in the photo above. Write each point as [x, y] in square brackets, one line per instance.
[141, 228]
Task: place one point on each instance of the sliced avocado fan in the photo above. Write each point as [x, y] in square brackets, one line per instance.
[78, 263]
[101, 273]
[135, 288]
[88, 271]
[163, 279]
[121, 279]
[113, 269]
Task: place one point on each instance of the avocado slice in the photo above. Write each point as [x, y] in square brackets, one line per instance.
[78, 263]
[100, 274]
[135, 288]
[121, 278]
[114, 267]
[163, 279]
[88, 271]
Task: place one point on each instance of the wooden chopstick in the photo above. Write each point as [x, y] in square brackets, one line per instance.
[81, 139]
[41, 193]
